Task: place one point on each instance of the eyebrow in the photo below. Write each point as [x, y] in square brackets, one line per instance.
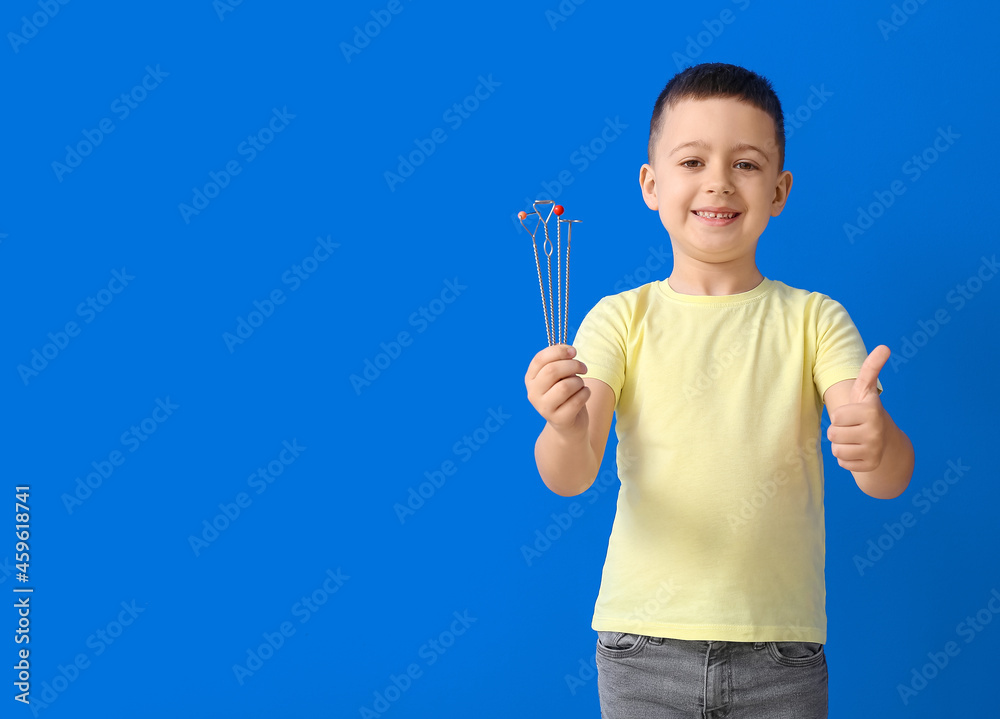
[738, 147]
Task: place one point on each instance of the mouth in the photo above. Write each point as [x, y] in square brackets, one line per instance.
[716, 219]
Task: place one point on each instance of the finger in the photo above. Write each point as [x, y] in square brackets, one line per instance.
[545, 356]
[551, 379]
[864, 383]
[561, 391]
[855, 465]
[566, 413]
[557, 371]
[846, 435]
[571, 392]
[848, 452]
[849, 415]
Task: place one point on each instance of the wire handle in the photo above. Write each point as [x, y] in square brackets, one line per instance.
[555, 313]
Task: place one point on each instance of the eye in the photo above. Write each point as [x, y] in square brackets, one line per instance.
[749, 165]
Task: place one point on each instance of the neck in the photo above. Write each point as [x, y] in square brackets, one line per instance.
[694, 277]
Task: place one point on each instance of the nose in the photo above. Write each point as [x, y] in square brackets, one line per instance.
[719, 182]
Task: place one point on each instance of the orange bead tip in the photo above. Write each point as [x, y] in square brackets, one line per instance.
[522, 214]
[558, 209]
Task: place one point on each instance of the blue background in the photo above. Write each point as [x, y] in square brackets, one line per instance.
[556, 78]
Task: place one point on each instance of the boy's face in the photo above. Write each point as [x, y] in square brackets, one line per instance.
[715, 172]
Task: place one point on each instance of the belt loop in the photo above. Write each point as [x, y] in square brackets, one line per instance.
[758, 645]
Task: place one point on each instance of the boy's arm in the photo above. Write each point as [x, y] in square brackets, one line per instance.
[864, 438]
[569, 465]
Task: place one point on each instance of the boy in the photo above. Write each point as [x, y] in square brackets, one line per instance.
[712, 599]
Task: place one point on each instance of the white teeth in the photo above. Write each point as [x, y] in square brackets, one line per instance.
[714, 215]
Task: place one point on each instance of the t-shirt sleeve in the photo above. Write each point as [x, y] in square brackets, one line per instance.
[601, 342]
[840, 351]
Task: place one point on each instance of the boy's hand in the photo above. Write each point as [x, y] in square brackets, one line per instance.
[555, 390]
[857, 430]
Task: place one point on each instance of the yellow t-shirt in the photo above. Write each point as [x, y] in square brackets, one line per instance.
[719, 531]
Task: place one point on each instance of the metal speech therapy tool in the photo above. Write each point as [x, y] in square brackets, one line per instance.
[556, 326]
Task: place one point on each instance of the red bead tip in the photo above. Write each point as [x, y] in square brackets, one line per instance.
[558, 209]
[522, 214]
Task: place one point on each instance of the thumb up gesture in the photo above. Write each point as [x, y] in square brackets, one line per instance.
[857, 430]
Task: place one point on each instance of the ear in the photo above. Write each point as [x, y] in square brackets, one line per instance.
[781, 190]
[647, 181]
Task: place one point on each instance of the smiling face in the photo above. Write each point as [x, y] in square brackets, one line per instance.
[715, 156]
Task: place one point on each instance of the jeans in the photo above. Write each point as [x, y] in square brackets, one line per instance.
[642, 677]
